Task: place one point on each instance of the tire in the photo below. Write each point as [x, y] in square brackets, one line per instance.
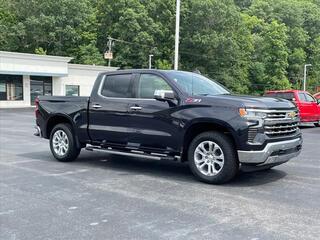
[317, 124]
[221, 156]
[62, 143]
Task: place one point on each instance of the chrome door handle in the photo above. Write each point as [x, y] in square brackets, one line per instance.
[135, 108]
[96, 106]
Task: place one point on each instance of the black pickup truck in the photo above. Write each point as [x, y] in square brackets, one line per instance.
[172, 115]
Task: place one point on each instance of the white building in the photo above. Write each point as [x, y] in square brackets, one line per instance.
[25, 76]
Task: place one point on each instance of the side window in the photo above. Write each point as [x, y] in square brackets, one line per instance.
[309, 98]
[149, 83]
[302, 97]
[117, 86]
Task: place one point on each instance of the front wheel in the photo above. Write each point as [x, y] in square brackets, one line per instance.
[317, 124]
[62, 143]
[212, 158]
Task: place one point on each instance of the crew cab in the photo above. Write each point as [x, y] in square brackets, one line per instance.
[172, 115]
[308, 106]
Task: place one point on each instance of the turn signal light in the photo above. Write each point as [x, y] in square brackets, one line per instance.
[242, 112]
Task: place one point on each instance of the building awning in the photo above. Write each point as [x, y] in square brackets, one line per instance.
[33, 64]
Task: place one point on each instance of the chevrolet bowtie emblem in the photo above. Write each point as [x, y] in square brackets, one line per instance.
[291, 114]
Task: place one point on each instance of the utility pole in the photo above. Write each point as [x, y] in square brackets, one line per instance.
[150, 59]
[108, 54]
[176, 46]
[305, 76]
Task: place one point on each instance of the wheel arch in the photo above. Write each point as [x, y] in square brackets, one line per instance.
[198, 127]
[59, 119]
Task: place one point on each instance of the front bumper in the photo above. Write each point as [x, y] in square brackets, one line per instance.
[273, 154]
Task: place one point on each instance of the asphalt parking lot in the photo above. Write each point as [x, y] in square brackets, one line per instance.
[106, 197]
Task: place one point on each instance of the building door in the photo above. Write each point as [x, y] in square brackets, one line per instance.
[39, 86]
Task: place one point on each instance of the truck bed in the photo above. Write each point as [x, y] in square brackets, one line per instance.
[72, 107]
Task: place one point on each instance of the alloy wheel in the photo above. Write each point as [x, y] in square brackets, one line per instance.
[209, 158]
[60, 143]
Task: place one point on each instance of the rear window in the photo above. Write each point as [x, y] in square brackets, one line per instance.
[117, 86]
[288, 96]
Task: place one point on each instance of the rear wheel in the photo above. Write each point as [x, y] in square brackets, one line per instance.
[212, 158]
[317, 124]
[62, 143]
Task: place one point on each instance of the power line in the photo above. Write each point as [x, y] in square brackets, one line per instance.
[131, 43]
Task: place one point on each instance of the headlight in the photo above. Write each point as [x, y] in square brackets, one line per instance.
[253, 114]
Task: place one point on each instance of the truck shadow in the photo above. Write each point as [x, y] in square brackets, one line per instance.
[173, 170]
[247, 179]
[160, 169]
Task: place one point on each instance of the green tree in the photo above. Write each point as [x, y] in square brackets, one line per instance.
[314, 59]
[276, 55]
[215, 41]
[127, 20]
[302, 19]
[58, 27]
[89, 54]
[248, 45]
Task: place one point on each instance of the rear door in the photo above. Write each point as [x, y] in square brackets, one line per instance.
[156, 128]
[108, 110]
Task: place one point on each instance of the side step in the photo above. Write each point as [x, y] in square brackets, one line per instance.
[133, 153]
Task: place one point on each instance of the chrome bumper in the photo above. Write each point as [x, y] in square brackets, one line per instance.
[273, 153]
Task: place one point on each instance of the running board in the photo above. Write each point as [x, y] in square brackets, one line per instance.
[133, 153]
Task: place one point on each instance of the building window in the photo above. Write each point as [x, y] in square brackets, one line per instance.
[11, 87]
[39, 86]
[72, 90]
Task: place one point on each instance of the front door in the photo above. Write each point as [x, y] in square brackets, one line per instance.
[307, 108]
[156, 128]
[108, 111]
[314, 107]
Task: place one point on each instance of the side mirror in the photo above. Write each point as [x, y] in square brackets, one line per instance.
[164, 95]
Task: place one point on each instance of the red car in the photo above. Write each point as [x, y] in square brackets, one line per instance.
[317, 95]
[309, 107]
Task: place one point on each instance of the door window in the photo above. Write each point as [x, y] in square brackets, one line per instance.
[149, 83]
[302, 97]
[309, 98]
[117, 86]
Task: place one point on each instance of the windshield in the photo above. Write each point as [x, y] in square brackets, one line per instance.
[195, 84]
[288, 96]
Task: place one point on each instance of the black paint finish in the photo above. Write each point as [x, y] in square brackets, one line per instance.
[160, 126]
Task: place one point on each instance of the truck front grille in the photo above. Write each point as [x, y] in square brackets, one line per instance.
[281, 129]
[281, 123]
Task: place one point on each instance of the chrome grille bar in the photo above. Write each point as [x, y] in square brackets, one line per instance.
[279, 123]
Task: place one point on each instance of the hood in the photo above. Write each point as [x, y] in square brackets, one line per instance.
[248, 101]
